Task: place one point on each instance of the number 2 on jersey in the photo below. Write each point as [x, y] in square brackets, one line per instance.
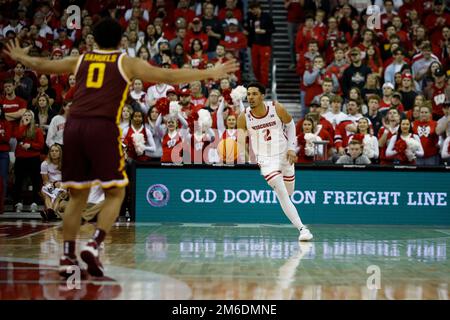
[267, 136]
[94, 68]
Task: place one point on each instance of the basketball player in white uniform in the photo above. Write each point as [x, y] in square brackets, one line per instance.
[274, 148]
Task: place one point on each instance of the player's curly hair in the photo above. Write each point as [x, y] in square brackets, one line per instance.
[108, 33]
[257, 85]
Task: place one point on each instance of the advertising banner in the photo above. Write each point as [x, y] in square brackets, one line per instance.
[337, 196]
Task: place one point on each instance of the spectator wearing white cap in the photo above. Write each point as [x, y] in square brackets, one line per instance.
[385, 103]
[234, 39]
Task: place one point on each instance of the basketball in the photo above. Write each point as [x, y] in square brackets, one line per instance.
[227, 150]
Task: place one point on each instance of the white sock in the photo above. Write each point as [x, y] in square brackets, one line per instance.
[288, 207]
[289, 182]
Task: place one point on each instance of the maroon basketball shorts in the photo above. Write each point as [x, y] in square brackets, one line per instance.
[92, 154]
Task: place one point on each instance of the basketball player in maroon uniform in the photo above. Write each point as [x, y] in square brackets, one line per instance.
[92, 130]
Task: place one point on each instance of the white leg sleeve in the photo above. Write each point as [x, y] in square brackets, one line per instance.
[289, 182]
[277, 183]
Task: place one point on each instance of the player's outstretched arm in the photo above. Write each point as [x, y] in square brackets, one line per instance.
[40, 65]
[138, 68]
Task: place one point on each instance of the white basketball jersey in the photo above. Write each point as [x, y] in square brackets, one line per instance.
[266, 133]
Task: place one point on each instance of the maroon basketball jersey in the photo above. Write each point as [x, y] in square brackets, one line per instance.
[101, 86]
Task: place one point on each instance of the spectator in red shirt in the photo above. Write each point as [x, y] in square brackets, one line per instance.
[30, 143]
[13, 106]
[172, 137]
[136, 147]
[385, 103]
[425, 128]
[389, 13]
[438, 93]
[348, 127]
[234, 40]
[65, 43]
[387, 131]
[355, 33]
[188, 109]
[345, 14]
[230, 8]
[305, 34]
[332, 35]
[196, 57]
[435, 21]
[442, 48]
[405, 10]
[319, 24]
[373, 60]
[196, 33]
[404, 37]
[314, 78]
[37, 40]
[368, 40]
[184, 11]
[197, 97]
[69, 89]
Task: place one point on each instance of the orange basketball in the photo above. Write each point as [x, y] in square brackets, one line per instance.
[227, 150]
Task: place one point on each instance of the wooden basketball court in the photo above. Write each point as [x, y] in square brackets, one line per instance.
[245, 261]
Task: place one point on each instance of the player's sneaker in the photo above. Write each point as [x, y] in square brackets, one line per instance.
[65, 262]
[305, 234]
[89, 254]
[34, 207]
[19, 207]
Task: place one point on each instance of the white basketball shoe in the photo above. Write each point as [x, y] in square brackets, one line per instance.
[305, 234]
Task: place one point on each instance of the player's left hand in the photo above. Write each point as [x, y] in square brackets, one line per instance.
[14, 50]
[221, 70]
[291, 156]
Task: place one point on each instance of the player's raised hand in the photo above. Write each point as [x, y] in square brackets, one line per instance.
[15, 51]
[222, 70]
[291, 156]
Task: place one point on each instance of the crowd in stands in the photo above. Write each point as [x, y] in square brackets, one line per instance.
[375, 95]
